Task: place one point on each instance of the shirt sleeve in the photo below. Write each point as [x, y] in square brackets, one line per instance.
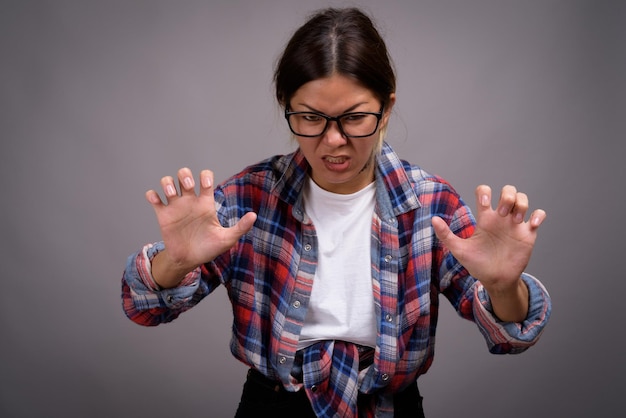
[513, 337]
[142, 299]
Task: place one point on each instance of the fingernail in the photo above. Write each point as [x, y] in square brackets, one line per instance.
[188, 182]
[206, 182]
[484, 200]
[518, 218]
[170, 190]
[504, 211]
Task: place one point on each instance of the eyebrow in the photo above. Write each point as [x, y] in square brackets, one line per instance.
[348, 110]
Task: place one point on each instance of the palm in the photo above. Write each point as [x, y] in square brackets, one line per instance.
[190, 229]
[500, 248]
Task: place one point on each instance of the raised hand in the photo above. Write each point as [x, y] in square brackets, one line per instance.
[500, 248]
[189, 227]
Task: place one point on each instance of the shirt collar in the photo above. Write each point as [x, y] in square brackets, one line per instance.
[395, 194]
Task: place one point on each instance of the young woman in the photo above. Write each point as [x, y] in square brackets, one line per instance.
[333, 256]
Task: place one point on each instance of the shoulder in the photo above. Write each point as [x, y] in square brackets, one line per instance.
[401, 175]
[278, 177]
[436, 193]
[424, 181]
[264, 172]
[419, 175]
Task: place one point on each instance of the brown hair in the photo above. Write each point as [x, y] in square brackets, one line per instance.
[341, 41]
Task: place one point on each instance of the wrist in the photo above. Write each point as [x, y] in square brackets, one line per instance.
[510, 303]
[166, 273]
[510, 290]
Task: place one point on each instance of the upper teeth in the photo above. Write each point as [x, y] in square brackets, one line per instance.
[334, 160]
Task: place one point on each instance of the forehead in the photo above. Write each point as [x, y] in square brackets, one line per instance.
[333, 94]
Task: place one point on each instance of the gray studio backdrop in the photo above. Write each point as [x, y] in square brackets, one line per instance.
[99, 99]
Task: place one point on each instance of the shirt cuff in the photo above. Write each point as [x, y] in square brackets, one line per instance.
[513, 337]
[144, 267]
[146, 293]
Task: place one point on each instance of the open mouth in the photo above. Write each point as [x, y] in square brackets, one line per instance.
[337, 164]
[335, 160]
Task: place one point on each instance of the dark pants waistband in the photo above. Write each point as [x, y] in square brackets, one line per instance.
[262, 395]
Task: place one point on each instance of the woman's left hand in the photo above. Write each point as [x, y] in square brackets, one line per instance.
[500, 248]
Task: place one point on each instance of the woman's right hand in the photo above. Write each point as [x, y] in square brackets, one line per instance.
[190, 230]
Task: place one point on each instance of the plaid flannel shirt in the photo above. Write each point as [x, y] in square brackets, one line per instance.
[269, 275]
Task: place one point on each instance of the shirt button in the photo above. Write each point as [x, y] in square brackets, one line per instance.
[388, 258]
[170, 298]
[388, 318]
[307, 247]
[385, 377]
[296, 304]
[314, 388]
[282, 360]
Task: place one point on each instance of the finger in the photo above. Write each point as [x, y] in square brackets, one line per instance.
[240, 228]
[520, 207]
[537, 218]
[245, 223]
[507, 200]
[444, 233]
[442, 230]
[206, 182]
[153, 198]
[185, 181]
[167, 183]
[483, 197]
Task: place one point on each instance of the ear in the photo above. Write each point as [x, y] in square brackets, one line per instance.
[388, 108]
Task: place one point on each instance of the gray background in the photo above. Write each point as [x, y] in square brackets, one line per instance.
[98, 100]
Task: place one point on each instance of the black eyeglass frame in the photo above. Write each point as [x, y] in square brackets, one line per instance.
[337, 119]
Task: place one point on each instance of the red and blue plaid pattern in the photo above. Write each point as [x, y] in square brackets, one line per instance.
[269, 275]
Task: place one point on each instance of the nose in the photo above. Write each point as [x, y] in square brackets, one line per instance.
[333, 135]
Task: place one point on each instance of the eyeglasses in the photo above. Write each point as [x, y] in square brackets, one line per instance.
[351, 125]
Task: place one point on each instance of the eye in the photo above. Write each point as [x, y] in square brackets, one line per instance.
[354, 117]
[311, 117]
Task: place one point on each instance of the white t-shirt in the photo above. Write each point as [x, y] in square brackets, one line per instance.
[342, 301]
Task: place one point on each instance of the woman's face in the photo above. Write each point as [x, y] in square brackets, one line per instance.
[339, 164]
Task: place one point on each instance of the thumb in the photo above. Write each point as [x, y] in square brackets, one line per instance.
[243, 226]
[443, 231]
